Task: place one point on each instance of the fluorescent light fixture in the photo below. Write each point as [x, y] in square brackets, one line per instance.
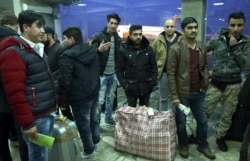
[179, 8]
[218, 4]
[81, 4]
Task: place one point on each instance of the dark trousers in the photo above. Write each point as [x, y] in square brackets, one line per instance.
[6, 123]
[132, 99]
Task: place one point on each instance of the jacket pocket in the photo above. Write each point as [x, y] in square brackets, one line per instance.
[132, 87]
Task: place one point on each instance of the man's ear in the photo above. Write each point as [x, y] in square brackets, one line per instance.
[25, 27]
[72, 39]
[50, 35]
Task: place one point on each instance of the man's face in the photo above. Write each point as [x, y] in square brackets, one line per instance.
[191, 30]
[67, 41]
[136, 36]
[112, 25]
[169, 27]
[35, 32]
[236, 27]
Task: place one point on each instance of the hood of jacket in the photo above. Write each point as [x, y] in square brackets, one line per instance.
[15, 41]
[81, 52]
[130, 44]
[177, 33]
[6, 31]
[161, 36]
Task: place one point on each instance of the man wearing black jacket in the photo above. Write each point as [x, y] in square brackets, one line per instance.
[79, 85]
[53, 50]
[107, 43]
[136, 67]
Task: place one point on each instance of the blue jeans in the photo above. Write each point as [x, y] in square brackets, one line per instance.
[196, 102]
[107, 93]
[163, 85]
[85, 115]
[44, 126]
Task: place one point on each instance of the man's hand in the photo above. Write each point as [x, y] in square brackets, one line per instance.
[104, 46]
[31, 133]
[176, 103]
[232, 40]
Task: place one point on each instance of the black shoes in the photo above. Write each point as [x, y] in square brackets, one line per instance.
[110, 121]
[207, 152]
[221, 142]
[183, 152]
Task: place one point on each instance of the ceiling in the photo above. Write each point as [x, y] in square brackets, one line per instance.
[146, 12]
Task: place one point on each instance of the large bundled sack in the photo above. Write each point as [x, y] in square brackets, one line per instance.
[146, 132]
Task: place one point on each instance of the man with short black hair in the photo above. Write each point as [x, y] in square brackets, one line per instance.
[188, 80]
[136, 67]
[79, 85]
[28, 83]
[230, 51]
[107, 43]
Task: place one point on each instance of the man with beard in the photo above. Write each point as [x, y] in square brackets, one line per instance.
[107, 43]
[136, 67]
[188, 80]
[230, 51]
[53, 50]
[161, 46]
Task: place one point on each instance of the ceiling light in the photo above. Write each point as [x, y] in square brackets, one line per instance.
[81, 4]
[179, 8]
[218, 4]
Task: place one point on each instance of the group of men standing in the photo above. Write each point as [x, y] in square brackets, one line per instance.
[83, 77]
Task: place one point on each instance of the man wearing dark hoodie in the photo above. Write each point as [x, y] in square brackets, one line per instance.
[230, 51]
[136, 67]
[79, 85]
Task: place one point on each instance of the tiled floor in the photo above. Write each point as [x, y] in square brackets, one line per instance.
[107, 152]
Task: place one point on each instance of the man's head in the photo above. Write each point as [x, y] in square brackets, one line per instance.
[189, 27]
[9, 19]
[72, 35]
[113, 22]
[49, 37]
[31, 25]
[135, 34]
[236, 23]
[169, 27]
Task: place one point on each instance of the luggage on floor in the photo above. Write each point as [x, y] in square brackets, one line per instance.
[67, 141]
[240, 120]
[145, 133]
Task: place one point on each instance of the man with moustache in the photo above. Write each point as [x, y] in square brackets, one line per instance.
[188, 80]
[161, 46]
[230, 50]
[136, 67]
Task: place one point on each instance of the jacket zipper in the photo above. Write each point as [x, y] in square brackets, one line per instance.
[33, 89]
